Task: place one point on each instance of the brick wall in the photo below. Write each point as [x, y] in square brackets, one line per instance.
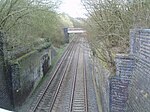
[139, 89]
[119, 83]
[118, 94]
[129, 89]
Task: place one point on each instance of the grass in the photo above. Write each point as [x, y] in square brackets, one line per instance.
[59, 54]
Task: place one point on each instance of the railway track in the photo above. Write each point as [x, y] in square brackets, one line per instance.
[79, 101]
[61, 82]
[49, 94]
[48, 101]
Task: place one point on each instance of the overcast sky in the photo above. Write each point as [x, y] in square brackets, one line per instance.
[73, 8]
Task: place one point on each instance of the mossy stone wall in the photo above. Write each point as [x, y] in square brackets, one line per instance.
[26, 72]
[5, 95]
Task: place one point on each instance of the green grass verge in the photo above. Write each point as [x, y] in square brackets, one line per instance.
[59, 54]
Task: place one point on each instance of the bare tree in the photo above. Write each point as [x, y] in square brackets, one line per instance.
[108, 25]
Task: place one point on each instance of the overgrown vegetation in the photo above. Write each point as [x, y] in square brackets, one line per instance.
[27, 24]
[108, 25]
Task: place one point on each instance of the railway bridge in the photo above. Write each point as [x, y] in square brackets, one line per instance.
[68, 31]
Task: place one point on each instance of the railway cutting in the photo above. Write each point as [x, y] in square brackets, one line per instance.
[67, 89]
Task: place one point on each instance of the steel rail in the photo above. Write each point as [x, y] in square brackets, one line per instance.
[61, 81]
[68, 50]
[85, 82]
[74, 82]
[84, 85]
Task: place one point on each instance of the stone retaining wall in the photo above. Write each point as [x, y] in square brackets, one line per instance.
[5, 99]
[26, 72]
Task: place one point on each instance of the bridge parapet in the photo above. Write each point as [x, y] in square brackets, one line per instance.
[68, 31]
[76, 30]
[129, 89]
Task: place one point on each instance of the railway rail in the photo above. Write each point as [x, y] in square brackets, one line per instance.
[79, 102]
[45, 94]
[47, 102]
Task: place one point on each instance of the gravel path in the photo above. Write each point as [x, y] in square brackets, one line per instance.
[92, 101]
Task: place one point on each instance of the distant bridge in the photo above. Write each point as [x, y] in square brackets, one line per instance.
[75, 30]
[68, 31]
